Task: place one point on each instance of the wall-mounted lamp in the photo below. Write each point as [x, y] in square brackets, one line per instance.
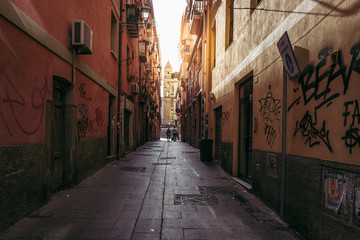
[146, 10]
[212, 96]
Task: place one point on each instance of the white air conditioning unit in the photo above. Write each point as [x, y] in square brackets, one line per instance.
[135, 88]
[81, 37]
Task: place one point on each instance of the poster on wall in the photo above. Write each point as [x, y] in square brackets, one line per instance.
[334, 190]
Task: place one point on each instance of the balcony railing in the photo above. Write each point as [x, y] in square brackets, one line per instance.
[132, 20]
[196, 11]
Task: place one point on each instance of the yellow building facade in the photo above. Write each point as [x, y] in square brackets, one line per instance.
[287, 123]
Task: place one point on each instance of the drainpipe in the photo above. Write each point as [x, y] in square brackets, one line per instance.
[283, 147]
[73, 67]
[119, 82]
[208, 67]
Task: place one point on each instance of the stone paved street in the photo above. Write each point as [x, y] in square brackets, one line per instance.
[160, 191]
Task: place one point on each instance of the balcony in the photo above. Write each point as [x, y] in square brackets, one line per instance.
[142, 52]
[132, 20]
[185, 50]
[197, 9]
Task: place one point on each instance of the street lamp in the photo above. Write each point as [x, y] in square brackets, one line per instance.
[146, 10]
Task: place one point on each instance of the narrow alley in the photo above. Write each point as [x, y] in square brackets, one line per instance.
[160, 191]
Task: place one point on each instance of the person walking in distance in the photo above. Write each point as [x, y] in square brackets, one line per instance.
[174, 134]
[168, 134]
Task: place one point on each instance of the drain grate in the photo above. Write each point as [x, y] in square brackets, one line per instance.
[147, 155]
[191, 152]
[168, 158]
[133, 169]
[195, 199]
[162, 163]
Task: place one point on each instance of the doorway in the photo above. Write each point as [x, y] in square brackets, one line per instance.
[245, 129]
[127, 130]
[111, 128]
[58, 155]
[218, 133]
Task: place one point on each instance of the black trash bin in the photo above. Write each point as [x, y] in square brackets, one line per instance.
[205, 149]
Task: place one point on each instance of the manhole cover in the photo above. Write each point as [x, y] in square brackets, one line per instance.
[133, 169]
[168, 158]
[161, 163]
[195, 199]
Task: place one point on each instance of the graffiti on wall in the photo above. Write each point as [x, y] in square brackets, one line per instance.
[317, 86]
[270, 112]
[314, 135]
[95, 124]
[226, 117]
[83, 109]
[352, 134]
[84, 123]
[83, 93]
[16, 101]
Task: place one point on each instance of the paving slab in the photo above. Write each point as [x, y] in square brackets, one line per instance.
[160, 191]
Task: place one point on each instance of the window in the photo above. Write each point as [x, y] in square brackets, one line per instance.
[167, 94]
[229, 22]
[167, 84]
[113, 38]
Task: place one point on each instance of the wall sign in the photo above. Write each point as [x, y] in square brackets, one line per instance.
[288, 56]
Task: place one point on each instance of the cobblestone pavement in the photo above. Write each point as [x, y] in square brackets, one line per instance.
[160, 191]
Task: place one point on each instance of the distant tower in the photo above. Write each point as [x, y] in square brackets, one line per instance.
[170, 86]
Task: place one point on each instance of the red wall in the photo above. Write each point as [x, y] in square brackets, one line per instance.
[27, 68]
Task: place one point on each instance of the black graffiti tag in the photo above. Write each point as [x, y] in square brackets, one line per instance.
[307, 128]
[270, 134]
[311, 89]
[270, 111]
[83, 93]
[352, 136]
[320, 89]
[82, 123]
